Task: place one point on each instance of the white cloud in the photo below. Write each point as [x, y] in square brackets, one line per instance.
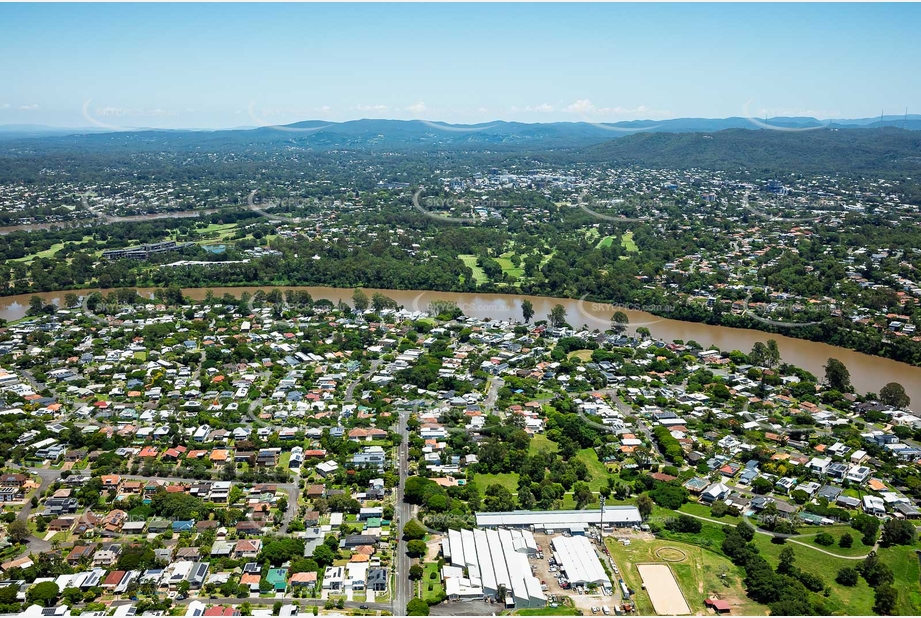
[370, 108]
[5, 106]
[418, 108]
[543, 108]
[584, 107]
[28, 107]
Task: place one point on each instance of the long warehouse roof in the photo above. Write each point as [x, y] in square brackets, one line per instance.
[560, 519]
[579, 560]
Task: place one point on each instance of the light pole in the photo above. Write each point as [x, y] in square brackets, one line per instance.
[601, 523]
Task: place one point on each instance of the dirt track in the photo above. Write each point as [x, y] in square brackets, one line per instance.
[663, 590]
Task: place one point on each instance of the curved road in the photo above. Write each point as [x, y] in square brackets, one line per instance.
[794, 541]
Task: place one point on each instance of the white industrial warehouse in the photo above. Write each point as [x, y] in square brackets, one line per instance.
[575, 522]
[493, 559]
[578, 560]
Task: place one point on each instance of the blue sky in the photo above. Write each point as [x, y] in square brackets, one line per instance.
[209, 65]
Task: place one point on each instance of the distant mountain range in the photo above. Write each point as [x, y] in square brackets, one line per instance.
[369, 129]
[796, 144]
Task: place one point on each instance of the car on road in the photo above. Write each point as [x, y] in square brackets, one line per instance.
[363, 607]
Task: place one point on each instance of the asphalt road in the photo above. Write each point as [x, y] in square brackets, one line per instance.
[47, 477]
[402, 591]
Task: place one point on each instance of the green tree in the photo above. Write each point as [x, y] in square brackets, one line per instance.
[360, 299]
[527, 310]
[582, 494]
[644, 505]
[413, 530]
[893, 394]
[886, 599]
[898, 532]
[45, 593]
[417, 607]
[619, 322]
[847, 576]
[557, 316]
[837, 377]
[824, 539]
[18, 531]
[846, 540]
[416, 549]
[416, 572]
[498, 498]
[324, 555]
[787, 564]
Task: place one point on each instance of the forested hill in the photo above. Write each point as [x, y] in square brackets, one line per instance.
[824, 150]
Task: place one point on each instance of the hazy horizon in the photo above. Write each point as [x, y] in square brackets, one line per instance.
[226, 66]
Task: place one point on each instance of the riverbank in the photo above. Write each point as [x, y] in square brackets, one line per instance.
[868, 373]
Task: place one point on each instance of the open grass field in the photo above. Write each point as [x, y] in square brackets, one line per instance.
[627, 241]
[693, 508]
[49, 252]
[507, 267]
[584, 355]
[698, 575]
[540, 442]
[597, 473]
[478, 275]
[607, 241]
[508, 480]
[857, 601]
[907, 569]
[807, 534]
[218, 228]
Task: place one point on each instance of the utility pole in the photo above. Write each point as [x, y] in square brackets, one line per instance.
[601, 523]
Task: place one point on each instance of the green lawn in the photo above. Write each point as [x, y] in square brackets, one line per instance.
[540, 442]
[478, 275]
[217, 228]
[583, 355]
[47, 253]
[607, 241]
[701, 510]
[857, 600]
[627, 242]
[597, 472]
[857, 549]
[432, 588]
[907, 570]
[507, 267]
[141, 356]
[508, 480]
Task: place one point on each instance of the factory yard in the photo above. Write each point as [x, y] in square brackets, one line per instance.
[663, 590]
